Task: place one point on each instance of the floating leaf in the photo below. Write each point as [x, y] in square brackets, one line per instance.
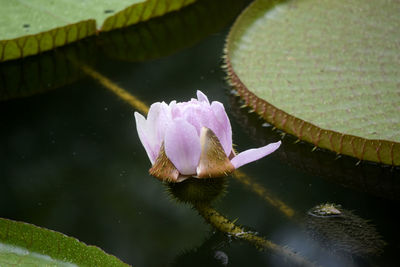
[326, 71]
[23, 244]
[30, 27]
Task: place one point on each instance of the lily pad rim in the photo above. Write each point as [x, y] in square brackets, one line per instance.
[97, 29]
[254, 102]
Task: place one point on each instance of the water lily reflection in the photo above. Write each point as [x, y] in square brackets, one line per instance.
[192, 138]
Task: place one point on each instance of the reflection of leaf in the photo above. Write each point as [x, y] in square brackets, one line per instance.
[165, 35]
[24, 244]
[43, 73]
[325, 71]
[205, 254]
[28, 28]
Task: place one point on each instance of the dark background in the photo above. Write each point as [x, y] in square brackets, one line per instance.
[71, 160]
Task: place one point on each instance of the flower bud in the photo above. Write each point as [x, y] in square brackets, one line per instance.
[192, 139]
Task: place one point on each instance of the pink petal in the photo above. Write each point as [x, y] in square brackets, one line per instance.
[213, 117]
[200, 113]
[254, 154]
[182, 146]
[194, 115]
[141, 126]
[202, 97]
[223, 128]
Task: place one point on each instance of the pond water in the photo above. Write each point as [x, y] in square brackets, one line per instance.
[71, 159]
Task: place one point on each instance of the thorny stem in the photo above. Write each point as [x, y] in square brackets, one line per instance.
[224, 225]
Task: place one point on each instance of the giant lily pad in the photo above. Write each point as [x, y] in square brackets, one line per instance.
[325, 71]
[30, 27]
[23, 244]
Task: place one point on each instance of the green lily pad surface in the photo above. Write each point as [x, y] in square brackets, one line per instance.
[325, 71]
[30, 27]
[23, 244]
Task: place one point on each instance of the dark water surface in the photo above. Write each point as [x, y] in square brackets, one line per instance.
[71, 160]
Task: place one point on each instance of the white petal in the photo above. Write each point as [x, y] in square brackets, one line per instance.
[202, 97]
[141, 126]
[254, 154]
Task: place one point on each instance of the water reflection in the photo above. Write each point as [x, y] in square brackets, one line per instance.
[198, 192]
[51, 70]
[343, 232]
[326, 235]
[168, 34]
[209, 253]
[338, 238]
[304, 245]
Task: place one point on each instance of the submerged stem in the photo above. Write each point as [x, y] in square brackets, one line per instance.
[264, 193]
[119, 91]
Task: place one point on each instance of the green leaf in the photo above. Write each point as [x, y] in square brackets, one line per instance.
[31, 27]
[23, 244]
[325, 71]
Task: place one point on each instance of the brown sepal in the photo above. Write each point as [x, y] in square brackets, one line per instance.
[163, 168]
[213, 160]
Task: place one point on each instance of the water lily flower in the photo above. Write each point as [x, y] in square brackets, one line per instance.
[192, 139]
